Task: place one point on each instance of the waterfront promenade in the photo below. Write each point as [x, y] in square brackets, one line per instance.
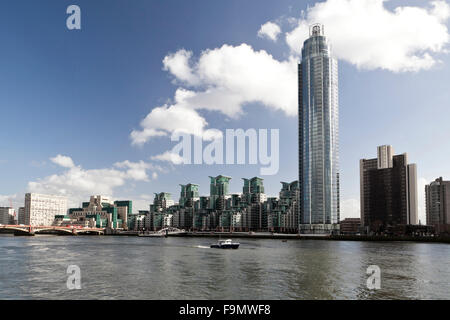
[287, 236]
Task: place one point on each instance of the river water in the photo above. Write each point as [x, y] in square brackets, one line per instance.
[186, 268]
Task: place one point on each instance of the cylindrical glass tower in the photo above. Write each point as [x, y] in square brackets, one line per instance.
[318, 135]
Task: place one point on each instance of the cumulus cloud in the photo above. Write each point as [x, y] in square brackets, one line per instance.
[269, 30]
[221, 80]
[178, 65]
[368, 35]
[363, 32]
[135, 170]
[177, 118]
[78, 184]
[63, 161]
[169, 157]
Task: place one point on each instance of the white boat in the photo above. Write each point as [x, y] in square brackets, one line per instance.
[226, 244]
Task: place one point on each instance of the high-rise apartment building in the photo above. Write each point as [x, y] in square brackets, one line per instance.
[188, 195]
[318, 135]
[253, 197]
[219, 192]
[253, 190]
[388, 186]
[437, 195]
[162, 200]
[41, 209]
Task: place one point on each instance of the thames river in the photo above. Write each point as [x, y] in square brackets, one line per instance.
[186, 268]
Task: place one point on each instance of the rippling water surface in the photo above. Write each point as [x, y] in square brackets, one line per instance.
[186, 268]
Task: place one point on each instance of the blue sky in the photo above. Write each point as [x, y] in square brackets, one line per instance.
[80, 93]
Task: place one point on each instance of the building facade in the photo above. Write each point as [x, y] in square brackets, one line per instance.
[221, 211]
[318, 135]
[188, 195]
[7, 215]
[41, 209]
[437, 201]
[388, 187]
[21, 216]
[101, 212]
[350, 226]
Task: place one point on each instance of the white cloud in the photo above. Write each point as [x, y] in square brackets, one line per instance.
[169, 157]
[350, 208]
[269, 30]
[221, 80]
[441, 9]
[178, 65]
[135, 170]
[63, 161]
[5, 200]
[365, 33]
[176, 118]
[78, 184]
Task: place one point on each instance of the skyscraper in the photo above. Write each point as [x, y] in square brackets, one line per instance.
[388, 191]
[318, 135]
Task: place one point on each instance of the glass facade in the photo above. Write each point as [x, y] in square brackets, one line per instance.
[318, 135]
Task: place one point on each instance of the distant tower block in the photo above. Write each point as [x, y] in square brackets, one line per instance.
[385, 154]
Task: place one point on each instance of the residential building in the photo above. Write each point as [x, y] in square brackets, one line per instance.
[219, 192]
[189, 195]
[437, 201]
[388, 191]
[221, 211]
[161, 201]
[318, 135]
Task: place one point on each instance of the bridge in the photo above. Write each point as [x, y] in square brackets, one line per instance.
[28, 230]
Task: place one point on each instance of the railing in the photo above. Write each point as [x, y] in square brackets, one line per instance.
[30, 229]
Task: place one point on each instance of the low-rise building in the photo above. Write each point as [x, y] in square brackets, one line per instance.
[350, 226]
[103, 212]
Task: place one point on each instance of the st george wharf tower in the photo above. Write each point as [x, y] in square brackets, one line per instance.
[318, 134]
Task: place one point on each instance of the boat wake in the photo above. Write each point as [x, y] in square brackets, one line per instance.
[202, 247]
